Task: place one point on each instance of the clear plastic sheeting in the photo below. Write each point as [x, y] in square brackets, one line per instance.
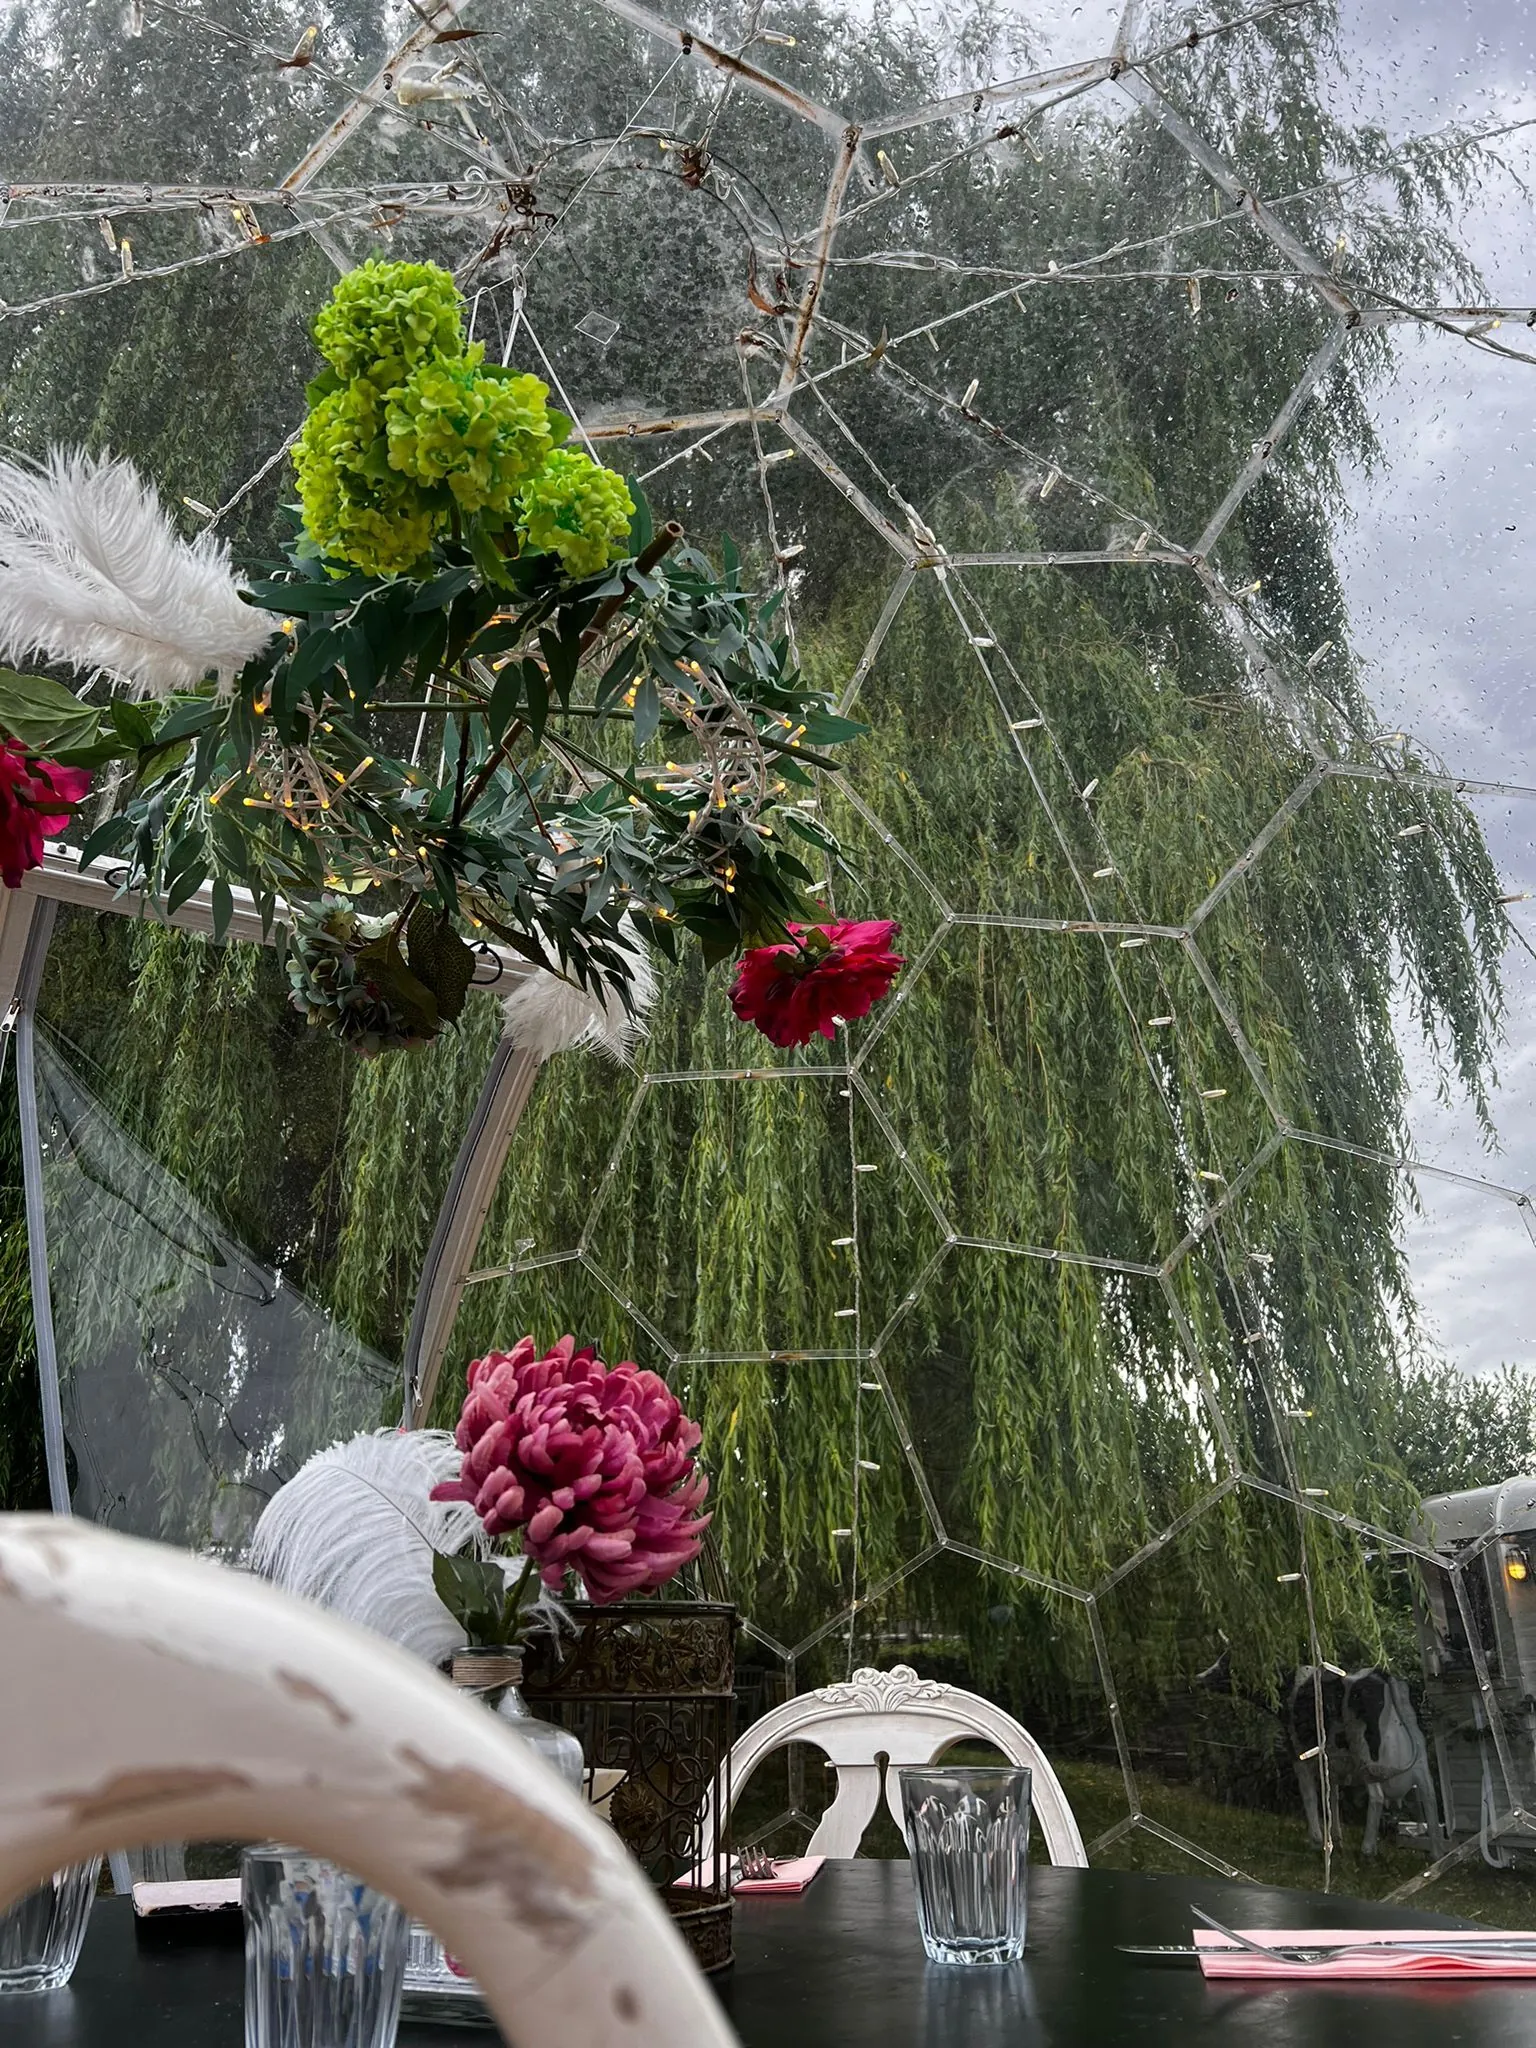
[194, 1381]
[236, 1211]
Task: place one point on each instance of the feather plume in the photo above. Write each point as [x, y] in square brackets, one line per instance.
[93, 573]
[547, 1015]
[355, 1530]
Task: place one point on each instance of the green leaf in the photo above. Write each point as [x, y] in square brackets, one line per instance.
[825, 729]
[135, 727]
[46, 717]
[642, 528]
[715, 930]
[562, 653]
[442, 590]
[440, 959]
[317, 653]
[186, 887]
[597, 896]
[111, 836]
[473, 1589]
[359, 660]
[332, 595]
[495, 640]
[223, 906]
[181, 720]
[493, 565]
[647, 712]
[505, 699]
[536, 689]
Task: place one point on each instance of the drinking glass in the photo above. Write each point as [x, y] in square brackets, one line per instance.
[968, 1831]
[41, 1936]
[324, 1954]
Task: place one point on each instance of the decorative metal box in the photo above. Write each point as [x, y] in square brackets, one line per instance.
[648, 1686]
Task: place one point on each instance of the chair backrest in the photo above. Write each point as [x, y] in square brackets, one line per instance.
[907, 1720]
[146, 1694]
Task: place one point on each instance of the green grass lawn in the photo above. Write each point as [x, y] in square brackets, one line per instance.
[1270, 1847]
[1273, 1848]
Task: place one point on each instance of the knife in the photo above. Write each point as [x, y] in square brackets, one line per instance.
[1475, 1944]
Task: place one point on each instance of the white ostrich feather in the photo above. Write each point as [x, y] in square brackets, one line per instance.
[355, 1530]
[547, 1015]
[93, 573]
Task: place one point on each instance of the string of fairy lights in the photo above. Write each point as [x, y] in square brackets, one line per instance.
[450, 104]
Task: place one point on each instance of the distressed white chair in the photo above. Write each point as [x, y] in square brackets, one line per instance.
[908, 1720]
[145, 1693]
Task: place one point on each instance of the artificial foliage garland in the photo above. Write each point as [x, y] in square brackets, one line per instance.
[459, 573]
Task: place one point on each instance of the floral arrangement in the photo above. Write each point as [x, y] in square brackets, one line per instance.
[481, 697]
[590, 1465]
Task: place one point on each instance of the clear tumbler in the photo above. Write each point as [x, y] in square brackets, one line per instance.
[968, 1831]
[324, 1954]
[41, 1936]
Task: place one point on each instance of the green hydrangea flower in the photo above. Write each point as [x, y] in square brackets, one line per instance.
[383, 319]
[576, 509]
[479, 433]
[355, 507]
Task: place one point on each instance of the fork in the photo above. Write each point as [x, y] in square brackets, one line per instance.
[756, 1864]
[1312, 1958]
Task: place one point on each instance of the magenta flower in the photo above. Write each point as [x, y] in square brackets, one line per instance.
[822, 975]
[593, 1463]
[37, 799]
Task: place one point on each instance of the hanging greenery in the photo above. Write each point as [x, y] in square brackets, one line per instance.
[516, 592]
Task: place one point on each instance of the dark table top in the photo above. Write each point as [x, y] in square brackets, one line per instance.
[840, 1966]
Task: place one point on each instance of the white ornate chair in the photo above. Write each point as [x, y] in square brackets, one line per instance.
[906, 1720]
[145, 1693]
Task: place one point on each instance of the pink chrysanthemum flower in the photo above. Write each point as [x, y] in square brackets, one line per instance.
[593, 1463]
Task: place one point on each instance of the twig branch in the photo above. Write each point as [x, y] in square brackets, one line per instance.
[661, 544]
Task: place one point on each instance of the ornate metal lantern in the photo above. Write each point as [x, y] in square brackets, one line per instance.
[648, 1686]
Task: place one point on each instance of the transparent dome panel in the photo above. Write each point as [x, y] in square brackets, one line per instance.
[236, 1213]
[1222, 1697]
[1090, 1322]
[1404, 1025]
[1428, 1312]
[161, 93]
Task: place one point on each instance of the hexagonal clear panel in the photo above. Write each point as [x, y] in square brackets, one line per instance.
[1256, 1727]
[762, 1215]
[1128, 1110]
[1407, 1026]
[1067, 1483]
[1412, 1375]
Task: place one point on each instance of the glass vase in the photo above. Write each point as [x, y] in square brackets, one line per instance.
[480, 1671]
[436, 1987]
[41, 1936]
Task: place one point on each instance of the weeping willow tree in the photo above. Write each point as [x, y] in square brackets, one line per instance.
[973, 1336]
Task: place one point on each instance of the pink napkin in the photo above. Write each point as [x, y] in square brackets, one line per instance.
[189, 1895]
[793, 1874]
[1222, 1958]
